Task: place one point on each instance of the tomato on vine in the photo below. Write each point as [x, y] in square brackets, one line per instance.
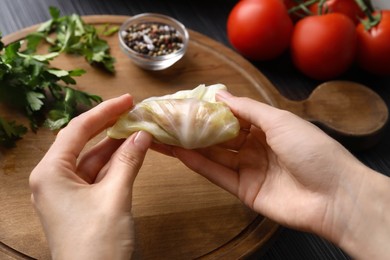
[373, 46]
[259, 29]
[324, 46]
[347, 7]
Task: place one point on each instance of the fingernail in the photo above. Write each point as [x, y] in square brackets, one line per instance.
[142, 140]
[222, 94]
[123, 96]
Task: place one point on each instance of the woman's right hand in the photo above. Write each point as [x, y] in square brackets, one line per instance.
[288, 170]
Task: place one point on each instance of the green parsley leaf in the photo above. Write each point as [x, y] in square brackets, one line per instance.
[10, 132]
[43, 58]
[67, 108]
[54, 12]
[34, 99]
[42, 93]
[58, 73]
[72, 35]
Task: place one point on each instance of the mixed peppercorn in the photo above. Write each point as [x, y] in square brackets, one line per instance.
[153, 39]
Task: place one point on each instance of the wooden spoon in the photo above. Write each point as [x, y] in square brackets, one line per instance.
[345, 109]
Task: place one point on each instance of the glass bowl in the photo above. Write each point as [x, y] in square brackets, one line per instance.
[153, 41]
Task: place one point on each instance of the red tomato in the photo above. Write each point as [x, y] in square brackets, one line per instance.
[347, 7]
[259, 30]
[373, 46]
[323, 47]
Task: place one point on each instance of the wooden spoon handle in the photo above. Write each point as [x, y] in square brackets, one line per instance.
[342, 108]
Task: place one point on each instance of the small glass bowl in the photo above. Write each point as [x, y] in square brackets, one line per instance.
[147, 61]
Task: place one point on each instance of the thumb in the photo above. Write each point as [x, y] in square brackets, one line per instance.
[128, 159]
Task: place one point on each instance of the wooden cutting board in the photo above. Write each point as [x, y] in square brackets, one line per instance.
[178, 214]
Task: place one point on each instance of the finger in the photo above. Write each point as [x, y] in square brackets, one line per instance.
[214, 172]
[71, 140]
[261, 115]
[165, 149]
[220, 155]
[93, 161]
[244, 125]
[127, 161]
[231, 157]
[222, 95]
[236, 143]
[233, 144]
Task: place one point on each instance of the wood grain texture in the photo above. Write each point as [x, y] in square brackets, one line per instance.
[178, 214]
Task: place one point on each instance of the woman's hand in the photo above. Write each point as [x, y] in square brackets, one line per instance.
[280, 165]
[288, 170]
[84, 199]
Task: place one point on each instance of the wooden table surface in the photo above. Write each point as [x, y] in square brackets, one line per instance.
[209, 18]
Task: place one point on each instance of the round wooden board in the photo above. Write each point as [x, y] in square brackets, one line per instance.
[178, 214]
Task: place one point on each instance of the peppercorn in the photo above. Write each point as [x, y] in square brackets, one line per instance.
[153, 39]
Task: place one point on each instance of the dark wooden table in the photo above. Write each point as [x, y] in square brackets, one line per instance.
[209, 18]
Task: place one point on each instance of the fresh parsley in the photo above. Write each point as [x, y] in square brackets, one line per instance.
[43, 94]
[70, 34]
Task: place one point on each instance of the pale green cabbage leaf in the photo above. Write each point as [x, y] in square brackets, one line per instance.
[188, 118]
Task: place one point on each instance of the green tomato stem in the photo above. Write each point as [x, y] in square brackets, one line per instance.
[303, 6]
[367, 9]
[320, 7]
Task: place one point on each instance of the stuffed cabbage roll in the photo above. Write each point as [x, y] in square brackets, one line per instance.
[189, 118]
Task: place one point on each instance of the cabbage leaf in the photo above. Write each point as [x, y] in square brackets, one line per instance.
[188, 118]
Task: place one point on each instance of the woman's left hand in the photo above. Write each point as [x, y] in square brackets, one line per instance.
[84, 199]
